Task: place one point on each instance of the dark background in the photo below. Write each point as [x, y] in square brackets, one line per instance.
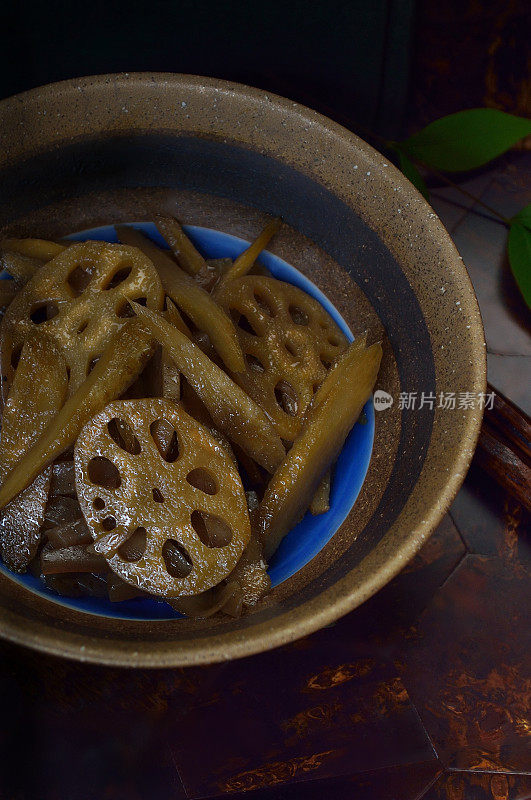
[420, 692]
[385, 66]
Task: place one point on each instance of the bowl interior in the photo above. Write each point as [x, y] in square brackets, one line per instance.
[312, 533]
[118, 148]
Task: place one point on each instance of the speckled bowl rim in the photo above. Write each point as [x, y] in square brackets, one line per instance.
[382, 563]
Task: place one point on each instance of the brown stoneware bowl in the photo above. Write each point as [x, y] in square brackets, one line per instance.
[93, 151]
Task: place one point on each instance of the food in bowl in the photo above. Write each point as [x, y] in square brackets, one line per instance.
[167, 419]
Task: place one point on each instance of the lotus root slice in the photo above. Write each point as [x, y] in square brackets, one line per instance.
[79, 298]
[289, 342]
[162, 499]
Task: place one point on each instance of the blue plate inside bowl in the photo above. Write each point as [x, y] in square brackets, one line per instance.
[307, 538]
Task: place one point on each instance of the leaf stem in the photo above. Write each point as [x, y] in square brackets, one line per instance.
[395, 147]
[465, 192]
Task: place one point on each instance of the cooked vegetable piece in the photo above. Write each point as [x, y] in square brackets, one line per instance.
[174, 318]
[150, 381]
[120, 590]
[233, 605]
[250, 574]
[215, 269]
[69, 534]
[171, 376]
[289, 342]
[233, 412]
[22, 258]
[194, 406]
[187, 255]
[321, 500]
[193, 300]
[119, 365]
[76, 558]
[63, 479]
[152, 375]
[81, 584]
[21, 268]
[61, 510]
[184, 504]
[257, 478]
[8, 290]
[327, 425]
[79, 298]
[344, 362]
[36, 395]
[206, 604]
[246, 260]
[40, 249]
[171, 379]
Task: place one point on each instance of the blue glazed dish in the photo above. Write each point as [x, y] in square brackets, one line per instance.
[307, 538]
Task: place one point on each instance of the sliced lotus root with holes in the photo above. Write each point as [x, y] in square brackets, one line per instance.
[79, 299]
[289, 342]
[163, 501]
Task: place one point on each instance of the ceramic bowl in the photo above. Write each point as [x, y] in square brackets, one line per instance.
[223, 157]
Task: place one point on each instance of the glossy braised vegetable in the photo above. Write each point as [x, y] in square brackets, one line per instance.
[207, 272]
[119, 365]
[31, 406]
[181, 487]
[69, 534]
[75, 558]
[251, 574]
[63, 479]
[288, 340]
[188, 257]
[207, 603]
[23, 257]
[40, 249]
[8, 290]
[321, 500]
[234, 412]
[327, 424]
[215, 269]
[194, 406]
[187, 499]
[21, 268]
[171, 377]
[79, 298]
[244, 263]
[191, 298]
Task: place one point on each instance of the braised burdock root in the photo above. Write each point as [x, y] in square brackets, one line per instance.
[124, 358]
[234, 412]
[192, 298]
[23, 257]
[31, 405]
[327, 424]
[167, 419]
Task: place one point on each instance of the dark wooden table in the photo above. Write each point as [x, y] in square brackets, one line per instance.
[423, 692]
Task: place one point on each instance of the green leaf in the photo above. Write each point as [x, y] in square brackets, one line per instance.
[412, 173]
[519, 251]
[523, 217]
[466, 140]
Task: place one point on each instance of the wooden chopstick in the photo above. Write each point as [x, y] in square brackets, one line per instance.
[504, 447]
